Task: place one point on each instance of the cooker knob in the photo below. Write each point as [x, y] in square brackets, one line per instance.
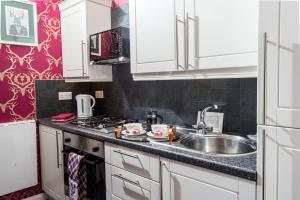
[67, 140]
[95, 149]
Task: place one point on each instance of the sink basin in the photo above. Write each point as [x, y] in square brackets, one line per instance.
[218, 144]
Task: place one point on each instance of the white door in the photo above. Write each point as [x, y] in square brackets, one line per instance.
[282, 163]
[153, 37]
[288, 95]
[186, 188]
[52, 162]
[226, 33]
[73, 30]
[282, 63]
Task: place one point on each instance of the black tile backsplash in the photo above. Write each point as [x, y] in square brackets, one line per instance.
[46, 95]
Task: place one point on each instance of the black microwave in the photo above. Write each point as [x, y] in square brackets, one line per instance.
[110, 47]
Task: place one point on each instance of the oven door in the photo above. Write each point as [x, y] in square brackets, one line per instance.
[95, 168]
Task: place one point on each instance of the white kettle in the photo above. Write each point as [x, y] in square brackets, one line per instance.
[84, 107]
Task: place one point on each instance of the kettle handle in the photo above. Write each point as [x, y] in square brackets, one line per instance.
[161, 119]
[94, 101]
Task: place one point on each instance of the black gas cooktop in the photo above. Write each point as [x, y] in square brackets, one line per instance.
[103, 123]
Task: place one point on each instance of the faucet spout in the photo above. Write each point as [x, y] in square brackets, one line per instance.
[201, 124]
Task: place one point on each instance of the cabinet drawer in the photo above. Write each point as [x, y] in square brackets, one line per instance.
[129, 186]
[143, 164]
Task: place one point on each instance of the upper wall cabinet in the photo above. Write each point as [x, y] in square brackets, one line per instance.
[153, 33]
[179, 39]
[79, 20]
[226, 33]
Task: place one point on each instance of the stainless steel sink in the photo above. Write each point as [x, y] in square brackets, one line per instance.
[218, 144]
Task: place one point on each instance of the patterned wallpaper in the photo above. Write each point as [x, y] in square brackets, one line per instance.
[20, 66]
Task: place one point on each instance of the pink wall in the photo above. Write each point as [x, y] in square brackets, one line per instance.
[20, 66]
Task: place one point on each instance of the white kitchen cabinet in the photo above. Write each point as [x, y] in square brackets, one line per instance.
[51, 146]
[279, 64]
[282, 161]
[184, 39]
[181, 181]
[152, 33]
[79, 20]
[226, 33]
[131, 174]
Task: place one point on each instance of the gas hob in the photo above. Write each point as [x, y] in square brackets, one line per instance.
[103, 123]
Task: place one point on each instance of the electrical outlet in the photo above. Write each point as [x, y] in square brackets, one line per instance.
[99, 94]
[64, 96]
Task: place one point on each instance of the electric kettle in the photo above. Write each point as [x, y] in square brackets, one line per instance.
[84, 107]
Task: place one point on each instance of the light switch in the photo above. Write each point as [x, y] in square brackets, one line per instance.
[99, 94]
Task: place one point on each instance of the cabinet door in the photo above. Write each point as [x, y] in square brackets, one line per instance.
[73, 30]
[287, 103]
[268, 62]
[282, 161]
[226, 33]
[52, 162]
[153, 38]
[187, 188]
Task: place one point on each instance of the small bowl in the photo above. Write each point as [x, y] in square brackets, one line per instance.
[159, 130]
[134, 128]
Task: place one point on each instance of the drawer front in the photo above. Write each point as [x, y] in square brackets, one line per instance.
[143, 164]
[129, 186]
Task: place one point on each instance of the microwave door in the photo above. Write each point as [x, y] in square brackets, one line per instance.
[105, 45]
[114, 44]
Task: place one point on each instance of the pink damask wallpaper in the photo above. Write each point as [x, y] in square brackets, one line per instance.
[20, 66]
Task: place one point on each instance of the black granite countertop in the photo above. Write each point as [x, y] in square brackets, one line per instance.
[243, 166]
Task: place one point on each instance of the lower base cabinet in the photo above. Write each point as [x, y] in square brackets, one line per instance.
[128, 186]
[52, 169]
[183, 182]
[134, 175]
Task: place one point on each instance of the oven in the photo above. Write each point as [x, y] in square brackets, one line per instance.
[93, 152]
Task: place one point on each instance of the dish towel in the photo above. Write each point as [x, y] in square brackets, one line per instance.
[77, 177]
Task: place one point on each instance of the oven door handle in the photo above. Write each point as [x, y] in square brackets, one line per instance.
[86, 161]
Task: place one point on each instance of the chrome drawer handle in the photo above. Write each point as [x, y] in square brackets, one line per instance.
[122, 153]
[120, 176]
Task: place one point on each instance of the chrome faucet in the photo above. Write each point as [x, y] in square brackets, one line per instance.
[201, 125]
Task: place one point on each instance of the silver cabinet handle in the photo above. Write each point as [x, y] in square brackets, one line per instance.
[122, 153]
[83, 56]
[120, 176]
[188, 18]
[176, 29]
[263, 143]
[265, 40]
[57, 151]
